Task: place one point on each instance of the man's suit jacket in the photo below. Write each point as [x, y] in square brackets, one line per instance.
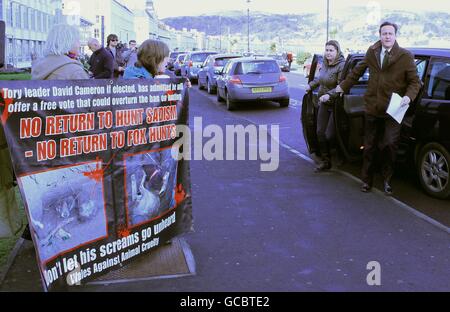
[399, 76]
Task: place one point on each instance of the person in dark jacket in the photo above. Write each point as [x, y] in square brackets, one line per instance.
[392, 70]
[112, 46]
[329, 77]
[101, 61]
[130, 55]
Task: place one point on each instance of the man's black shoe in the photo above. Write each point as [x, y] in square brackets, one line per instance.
[387, 188]
[323, 166]
[365, 188]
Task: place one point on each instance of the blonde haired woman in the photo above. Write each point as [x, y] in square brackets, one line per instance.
[60, 56]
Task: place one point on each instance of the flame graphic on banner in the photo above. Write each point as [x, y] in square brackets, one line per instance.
[123, 232]
[180, 194]
[97, 173]
[6, 103]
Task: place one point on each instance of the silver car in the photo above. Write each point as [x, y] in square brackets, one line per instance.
[178, 63]
[250, 79]
[211, 69]
[193, 62]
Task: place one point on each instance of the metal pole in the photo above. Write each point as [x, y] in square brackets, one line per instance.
[220, 33]
[328, 18]
[248, 26]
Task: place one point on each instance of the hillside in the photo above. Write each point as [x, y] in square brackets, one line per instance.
[355, 28]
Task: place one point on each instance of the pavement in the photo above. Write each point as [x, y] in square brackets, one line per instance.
[295, 230]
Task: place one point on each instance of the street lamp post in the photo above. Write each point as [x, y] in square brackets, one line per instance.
[328, 19]
[220, 33]
[248, 26]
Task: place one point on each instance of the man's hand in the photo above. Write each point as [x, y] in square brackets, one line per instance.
[339, 89]
[121, 69]
[405, 101]
[324, 98]
[307, 88]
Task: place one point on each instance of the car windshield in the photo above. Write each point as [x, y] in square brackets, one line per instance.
[257, 67]
[221, 61]
[200, 57]
[277, 57]
[174, 55]
[181, 57]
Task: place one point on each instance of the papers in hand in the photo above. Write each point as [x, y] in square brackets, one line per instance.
[395, 109]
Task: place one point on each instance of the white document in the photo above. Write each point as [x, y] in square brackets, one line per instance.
[395, 109]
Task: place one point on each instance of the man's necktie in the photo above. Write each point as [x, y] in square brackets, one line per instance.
[385, 59]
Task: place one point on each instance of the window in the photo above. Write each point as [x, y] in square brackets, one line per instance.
[10, 51]
[421, 65]
[257, 67]
[9, 15]
[39, 21]
[200, 57]
[219, 62]
[439, 81]
[26, 50]
[96, 33]
[228, 67]
[24, 15]
[44, 22]
[33, 19]
[19, 50]
[17, 14]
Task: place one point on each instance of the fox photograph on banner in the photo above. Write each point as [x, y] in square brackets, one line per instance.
[100, 170]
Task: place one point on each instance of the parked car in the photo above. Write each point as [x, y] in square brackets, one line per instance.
[210, 69]
[193, 62]
[173, 57]
[178, 63]
[282, 62]
[425, 133]
[250, 79]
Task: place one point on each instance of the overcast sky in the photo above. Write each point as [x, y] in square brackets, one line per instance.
[169, 8]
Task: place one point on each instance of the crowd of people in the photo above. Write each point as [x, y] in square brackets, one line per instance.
[62, 59]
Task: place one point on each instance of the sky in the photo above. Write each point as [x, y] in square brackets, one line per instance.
[165, 8]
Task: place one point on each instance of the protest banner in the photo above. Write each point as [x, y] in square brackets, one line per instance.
[96, 167]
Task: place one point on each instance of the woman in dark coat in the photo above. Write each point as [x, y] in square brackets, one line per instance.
[329, 76]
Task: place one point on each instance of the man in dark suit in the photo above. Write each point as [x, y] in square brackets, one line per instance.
[392, 69]
[101, 61]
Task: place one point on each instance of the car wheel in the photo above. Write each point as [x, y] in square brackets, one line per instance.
[219, 98]
[284, 102]
[209, 87]
[230, 104]
[433, 167]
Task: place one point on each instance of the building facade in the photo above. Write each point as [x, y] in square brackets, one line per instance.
[109, 17]
[27, 24]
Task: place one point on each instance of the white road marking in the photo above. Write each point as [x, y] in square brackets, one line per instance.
[376, 191]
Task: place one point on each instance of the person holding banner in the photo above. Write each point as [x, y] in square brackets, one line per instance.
[152, 58]
[59, 62]
[392, 70]
[60, 56]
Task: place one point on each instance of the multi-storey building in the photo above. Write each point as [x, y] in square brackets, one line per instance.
[27, 24]
[109, 17]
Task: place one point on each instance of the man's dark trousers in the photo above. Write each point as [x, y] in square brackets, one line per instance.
[383, 134]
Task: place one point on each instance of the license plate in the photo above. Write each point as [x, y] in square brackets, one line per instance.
[262, 90]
